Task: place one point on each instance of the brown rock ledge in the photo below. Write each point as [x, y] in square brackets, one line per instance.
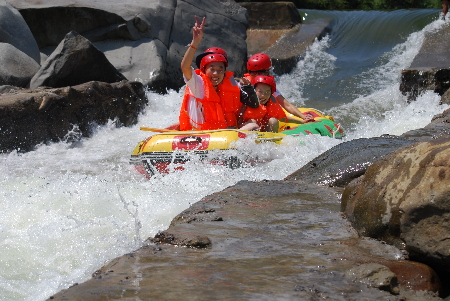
[269, 240]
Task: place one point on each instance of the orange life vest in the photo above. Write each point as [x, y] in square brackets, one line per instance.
[263, 113]
[213, 114]
[230, 96]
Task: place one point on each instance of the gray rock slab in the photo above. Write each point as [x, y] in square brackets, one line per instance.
[292, 46]
[146, 60]
[346, 161]
[434, 52]
[430, 68]
[17, 68]
[226, 25]
[161, 25]
[15, 31]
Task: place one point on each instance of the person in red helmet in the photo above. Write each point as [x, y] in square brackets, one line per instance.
[212, 97]
[444, 8]
[269, 112]
[261, 64]
[217, 50]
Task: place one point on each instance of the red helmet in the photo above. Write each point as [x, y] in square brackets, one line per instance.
[217, 50]
[212, 57]
[259, 61]
[268, 80]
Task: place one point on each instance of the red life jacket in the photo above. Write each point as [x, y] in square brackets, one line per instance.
[230, 96]
[263, 113]
[213, 114]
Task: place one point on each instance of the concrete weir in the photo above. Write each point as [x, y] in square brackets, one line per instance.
[281, 35]
[430, 69]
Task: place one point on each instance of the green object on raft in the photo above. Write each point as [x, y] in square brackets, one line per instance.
[320, 126]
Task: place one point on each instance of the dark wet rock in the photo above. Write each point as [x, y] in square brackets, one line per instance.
[430, 67]
[30, 117]
[446, 97]
[346, 161]
[410, 275]
[182, 239]
[439, 127]
[274, 242]
[349, 160]
[375, 275]
[403, 199]
[15, 31]
[8, 89]
[75, 61]
[272, 15]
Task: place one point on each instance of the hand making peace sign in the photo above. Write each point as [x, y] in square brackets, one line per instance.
[198, 30]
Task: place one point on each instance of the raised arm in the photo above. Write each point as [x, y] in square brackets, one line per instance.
[197, 35]
[293, 109]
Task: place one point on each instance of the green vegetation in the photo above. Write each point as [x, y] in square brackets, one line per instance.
[361, 4]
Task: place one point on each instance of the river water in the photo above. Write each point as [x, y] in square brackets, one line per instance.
[68, 208]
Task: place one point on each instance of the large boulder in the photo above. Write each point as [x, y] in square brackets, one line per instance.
[30, 117]
[272, 15]
[404, 199]
[75, 61]
[17, 68]
[226, 25]
[145, 39]
[15, 31]
[19, 52]
[347, 161]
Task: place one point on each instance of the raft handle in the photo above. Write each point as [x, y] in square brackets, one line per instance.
[195, 139]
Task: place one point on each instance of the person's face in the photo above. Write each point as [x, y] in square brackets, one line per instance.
[215, 71]
[263, 91]
[254, 74]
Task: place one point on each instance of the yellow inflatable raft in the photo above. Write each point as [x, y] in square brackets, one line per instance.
[155, 154]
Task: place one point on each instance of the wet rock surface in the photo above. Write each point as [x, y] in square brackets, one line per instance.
[29, 117]
[439, 127]
[430, 68]
[346, 161]
[349, 160]
[404, 200]
[270, 240]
